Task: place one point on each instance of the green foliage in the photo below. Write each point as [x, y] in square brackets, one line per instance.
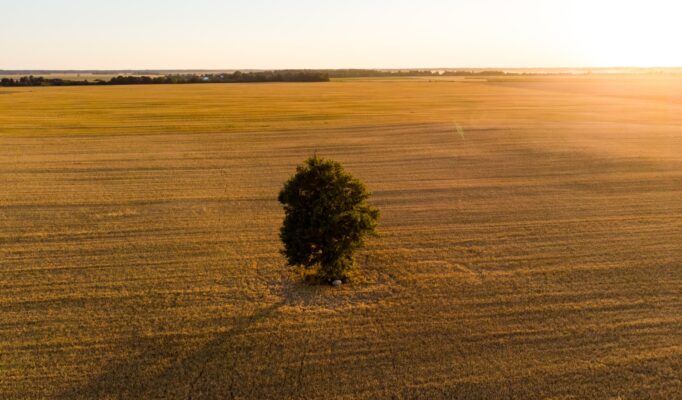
[236, 77]
[327, 216]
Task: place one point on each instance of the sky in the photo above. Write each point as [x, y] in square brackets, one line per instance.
[270, 34]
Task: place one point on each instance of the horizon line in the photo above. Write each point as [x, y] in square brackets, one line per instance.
[334, 68]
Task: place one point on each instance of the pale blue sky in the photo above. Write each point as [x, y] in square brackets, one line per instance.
[122, 34]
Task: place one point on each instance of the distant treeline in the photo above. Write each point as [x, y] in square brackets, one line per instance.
[243, 77]
[368, 73]
[235, 77]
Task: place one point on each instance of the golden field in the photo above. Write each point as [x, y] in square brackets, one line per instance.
[531, 241]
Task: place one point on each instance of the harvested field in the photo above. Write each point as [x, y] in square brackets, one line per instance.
[535, 254]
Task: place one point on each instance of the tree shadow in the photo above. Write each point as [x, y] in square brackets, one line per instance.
[166, 368]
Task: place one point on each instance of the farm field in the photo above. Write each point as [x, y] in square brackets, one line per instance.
[531, 240]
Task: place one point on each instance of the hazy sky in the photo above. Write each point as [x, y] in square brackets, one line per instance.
[137, 34]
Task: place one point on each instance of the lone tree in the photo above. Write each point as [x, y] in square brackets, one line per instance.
[327, 216]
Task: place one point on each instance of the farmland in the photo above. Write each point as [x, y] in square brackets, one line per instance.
[531, 240]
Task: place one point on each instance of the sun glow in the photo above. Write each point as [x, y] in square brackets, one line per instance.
[610, 33]
[271, 34]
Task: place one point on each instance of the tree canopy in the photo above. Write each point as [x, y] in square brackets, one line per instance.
[327, 217]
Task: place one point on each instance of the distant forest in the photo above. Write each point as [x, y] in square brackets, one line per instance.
[239, 77]
[368, 73]
[235, 77]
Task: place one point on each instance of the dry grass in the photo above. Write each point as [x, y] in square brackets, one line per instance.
[539, 256]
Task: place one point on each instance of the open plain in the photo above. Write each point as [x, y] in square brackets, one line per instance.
[531, 240]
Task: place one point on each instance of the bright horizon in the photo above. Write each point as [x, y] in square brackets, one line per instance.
[211, 34]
